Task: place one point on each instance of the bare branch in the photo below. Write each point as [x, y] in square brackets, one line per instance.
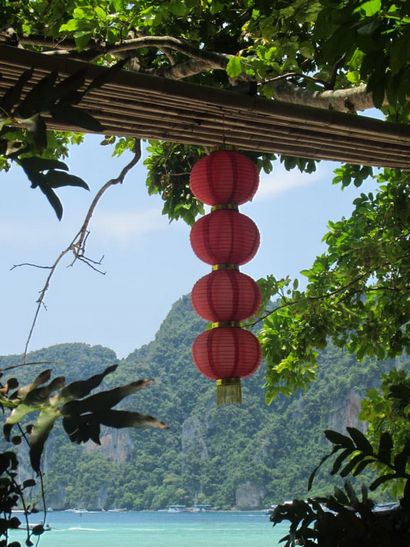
[78, 244]
[30, 364]
[31, 265]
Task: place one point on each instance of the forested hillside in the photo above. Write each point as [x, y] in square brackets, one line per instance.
[244, 456]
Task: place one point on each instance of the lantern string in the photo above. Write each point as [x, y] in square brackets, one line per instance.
[230, 206]
[218, 324]
[217, 267]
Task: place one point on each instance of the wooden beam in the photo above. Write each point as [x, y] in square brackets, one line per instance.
[141, 105]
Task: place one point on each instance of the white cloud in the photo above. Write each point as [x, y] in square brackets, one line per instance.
[281, 181]
[126, 226]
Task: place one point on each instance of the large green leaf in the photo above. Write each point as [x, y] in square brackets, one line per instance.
[104, 400]
[337, 438]
[58, 179]
[39, 98]
[385, 448]
[360, 440]
[123, 418]
[78, 390]
[12, 95]
[39, 380]
[41, 394]
[39, 435]
[107, 76]
[67, 91]
[53, 200]
[381, 480]
[81, 429]
[42, 164]
[75, 117]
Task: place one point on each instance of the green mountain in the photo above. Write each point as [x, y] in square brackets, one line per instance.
[245, 456]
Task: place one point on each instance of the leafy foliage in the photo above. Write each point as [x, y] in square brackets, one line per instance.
[356, 295]
[343, 519]
[82, 416]
[23, 129]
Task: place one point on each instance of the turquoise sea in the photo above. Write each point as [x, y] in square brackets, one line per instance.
[162, 529]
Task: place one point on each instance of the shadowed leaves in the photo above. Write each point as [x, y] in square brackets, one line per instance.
[82, 416]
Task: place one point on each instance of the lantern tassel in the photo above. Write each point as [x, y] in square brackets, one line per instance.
[228, 391]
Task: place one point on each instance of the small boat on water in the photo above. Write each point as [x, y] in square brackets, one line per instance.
[176, 508]
[200, 508]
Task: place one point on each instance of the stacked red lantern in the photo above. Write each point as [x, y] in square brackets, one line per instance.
[225, 239]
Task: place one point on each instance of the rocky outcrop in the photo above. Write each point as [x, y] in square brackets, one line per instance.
[346, 414]
[248, 496]
[116, 444]
[193, 438]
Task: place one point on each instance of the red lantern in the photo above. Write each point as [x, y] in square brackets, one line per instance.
[224, 178]
[225, 237]
[226, 295]
[227, 354]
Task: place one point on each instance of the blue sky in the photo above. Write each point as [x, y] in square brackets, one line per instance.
[149, 261]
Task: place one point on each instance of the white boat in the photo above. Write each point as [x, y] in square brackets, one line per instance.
[176, 508]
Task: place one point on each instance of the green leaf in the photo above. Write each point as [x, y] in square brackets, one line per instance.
[82, 37]
[12, 95]
[106, 76]
[39, 97]
[104, 400]
[322, 461]
[39, 395]
[78, 390]
[351, 465]
[37, 530]
[67, 91]
[53, 200]
[39, 131]
[385, 448]
[39, 380]
[401, 459]
[58, 179]
[39, 435]
[360, 440]
[70, 26]
[341, 496]
[339, 460]
[351, 494]
[122, 418]
[234, 66]
[177, 8]
[370, 8]
[42, 164]
[73, 116]
[361, 466]
[337, 438]
[381, 480]
[101, 14]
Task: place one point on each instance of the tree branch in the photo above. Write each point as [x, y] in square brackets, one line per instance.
[78, 244]
[165, 43]
[353, 99]
[311, 298]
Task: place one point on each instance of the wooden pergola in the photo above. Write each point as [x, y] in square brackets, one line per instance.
[149, 107]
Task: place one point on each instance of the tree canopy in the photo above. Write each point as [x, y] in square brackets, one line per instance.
[343, 55]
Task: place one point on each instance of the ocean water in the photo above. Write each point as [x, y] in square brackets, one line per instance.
[162, 529]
